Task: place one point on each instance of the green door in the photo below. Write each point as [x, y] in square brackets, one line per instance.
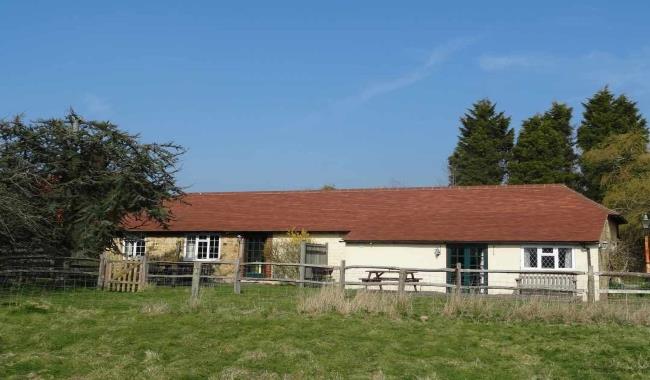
[470, 256]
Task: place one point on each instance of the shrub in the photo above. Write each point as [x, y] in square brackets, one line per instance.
[287, 250]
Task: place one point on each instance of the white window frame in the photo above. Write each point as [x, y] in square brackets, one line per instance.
[136, 240]
[209, 236]
[555, 254]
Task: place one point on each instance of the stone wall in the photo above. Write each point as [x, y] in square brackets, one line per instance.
[167, 247]
[229, 251]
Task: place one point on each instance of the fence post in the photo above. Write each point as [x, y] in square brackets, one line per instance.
[108, 273]
[101, 271]
[66, 271]
[458, 279]
[342, 275]
[237, 283]
[196, 281]
[144, 272]
[591, 285]
[303, 253]
[402, 281]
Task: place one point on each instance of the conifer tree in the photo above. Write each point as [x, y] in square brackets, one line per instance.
[484, 147]
[604, 117]
[67, 184]
[544, 150]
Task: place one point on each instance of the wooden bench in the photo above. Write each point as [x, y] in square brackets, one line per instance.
[543, 283]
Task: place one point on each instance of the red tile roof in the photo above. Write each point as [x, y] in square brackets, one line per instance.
[526, 213]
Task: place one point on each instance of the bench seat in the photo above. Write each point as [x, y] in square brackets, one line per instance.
[536, 283]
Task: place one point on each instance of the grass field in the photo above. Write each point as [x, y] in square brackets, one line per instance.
[260, 334]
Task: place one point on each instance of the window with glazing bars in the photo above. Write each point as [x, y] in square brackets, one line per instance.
[202, 247]
[547, 258]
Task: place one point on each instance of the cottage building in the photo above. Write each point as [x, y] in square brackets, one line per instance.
[526, 227]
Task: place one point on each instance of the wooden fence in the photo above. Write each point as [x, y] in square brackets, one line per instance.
[48, 271]
[117, 273]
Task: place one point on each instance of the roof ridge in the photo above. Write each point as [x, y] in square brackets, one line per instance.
[362, 189]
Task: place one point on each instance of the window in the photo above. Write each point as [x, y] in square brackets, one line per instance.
[547, 258]
[202, 247]
[134, 246]
[530, 257]
[254, 253]
[564, 258]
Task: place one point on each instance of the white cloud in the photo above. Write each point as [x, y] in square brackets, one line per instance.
[623, 72]
[96, 105]
[630, 71]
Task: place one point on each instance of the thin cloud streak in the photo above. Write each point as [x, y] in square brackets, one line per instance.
[438, 56]
[504, 62]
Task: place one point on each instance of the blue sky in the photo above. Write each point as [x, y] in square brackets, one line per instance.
[294, 95]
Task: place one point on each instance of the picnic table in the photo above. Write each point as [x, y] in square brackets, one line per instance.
[384, 275]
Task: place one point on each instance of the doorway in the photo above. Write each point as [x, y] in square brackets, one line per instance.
[254, 252]
[470, 256]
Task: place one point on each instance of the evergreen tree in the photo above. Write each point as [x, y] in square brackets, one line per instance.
[67, 184]
[484, 147]
[544, 150]
[605, 116]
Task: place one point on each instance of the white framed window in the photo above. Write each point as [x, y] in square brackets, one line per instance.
[547, 257]
[202, 247]
[133, 246]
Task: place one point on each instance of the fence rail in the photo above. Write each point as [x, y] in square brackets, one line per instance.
[87, 272]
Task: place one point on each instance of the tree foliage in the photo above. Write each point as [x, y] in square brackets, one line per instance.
[66, 184]
[625, 162]
[484, 147]
[544, 150]
[605, 116]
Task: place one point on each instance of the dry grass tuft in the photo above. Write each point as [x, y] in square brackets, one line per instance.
[331, 299]
[236, 373]
[543, 310]
[151, 356]
[155, 308]
[32, 306]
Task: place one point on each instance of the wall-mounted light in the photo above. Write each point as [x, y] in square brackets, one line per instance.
[603, 245]
[437, 251]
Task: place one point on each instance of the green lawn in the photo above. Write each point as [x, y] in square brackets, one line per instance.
[259, 334]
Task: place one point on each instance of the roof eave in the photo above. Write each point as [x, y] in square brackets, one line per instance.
[375, 241]
[618, 218]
